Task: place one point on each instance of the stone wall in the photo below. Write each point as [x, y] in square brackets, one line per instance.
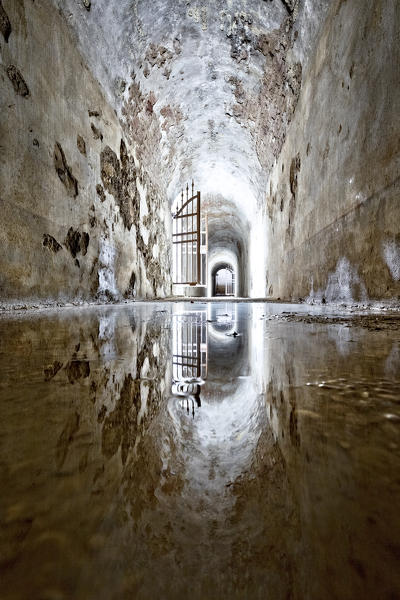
[80, 217]
[332, 202]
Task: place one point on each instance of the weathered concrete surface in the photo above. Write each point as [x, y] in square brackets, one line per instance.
[332, 201]
[214, 85]
[80, 217]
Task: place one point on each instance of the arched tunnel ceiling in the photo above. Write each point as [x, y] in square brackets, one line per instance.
[228, 228]
[205, 89]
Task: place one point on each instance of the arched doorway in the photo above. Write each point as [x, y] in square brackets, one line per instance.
[223, 281]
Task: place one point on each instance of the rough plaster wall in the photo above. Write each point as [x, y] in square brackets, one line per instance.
[80, 217]
[213, 84]
[333, 197]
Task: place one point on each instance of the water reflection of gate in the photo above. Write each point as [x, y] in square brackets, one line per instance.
[190, 346]
[189, 362]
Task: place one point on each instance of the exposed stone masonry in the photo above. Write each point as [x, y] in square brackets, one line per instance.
[272, 108]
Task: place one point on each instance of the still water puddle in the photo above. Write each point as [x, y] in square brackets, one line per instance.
[204, 451]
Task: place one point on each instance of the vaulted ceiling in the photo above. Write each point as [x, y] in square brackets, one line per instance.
[205, 89]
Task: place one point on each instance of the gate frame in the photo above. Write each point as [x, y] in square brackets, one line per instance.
[196, 234]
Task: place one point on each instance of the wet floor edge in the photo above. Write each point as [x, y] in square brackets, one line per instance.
[8, 311]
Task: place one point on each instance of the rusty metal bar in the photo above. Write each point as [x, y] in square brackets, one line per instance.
[184, 216]
[191, 249]
[186, 241]
[185, 233]
[183, 355]
[198, 237]
[187, 276]
[184, 206]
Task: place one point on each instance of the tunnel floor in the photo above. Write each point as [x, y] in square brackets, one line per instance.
[200, 450]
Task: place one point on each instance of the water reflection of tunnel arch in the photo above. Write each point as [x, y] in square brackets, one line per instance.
[228, 356]
[227, 285]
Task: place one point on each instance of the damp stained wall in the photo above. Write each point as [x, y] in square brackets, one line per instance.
[80, 217]
[332, 202]
[214, 85]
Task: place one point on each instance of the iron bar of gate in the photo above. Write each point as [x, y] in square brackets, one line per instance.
[198, 237]
[189, 365]
[188, 273]
[184, 216]
[187, 233]
[183, 356]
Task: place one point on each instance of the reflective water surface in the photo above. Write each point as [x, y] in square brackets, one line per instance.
[173, 451]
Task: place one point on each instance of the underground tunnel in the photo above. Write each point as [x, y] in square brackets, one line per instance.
[199, 299]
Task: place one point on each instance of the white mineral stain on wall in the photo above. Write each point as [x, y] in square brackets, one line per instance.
[107, 282]
[391, 253]
[145, 234]
[144, 394]
[342, 282]
[344, 285]
[145, 368]
[142, 195]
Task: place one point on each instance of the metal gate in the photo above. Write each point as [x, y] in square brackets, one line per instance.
[187, 237]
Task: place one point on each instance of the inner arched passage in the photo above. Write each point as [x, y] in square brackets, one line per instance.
[228, 242]
[223, 280]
